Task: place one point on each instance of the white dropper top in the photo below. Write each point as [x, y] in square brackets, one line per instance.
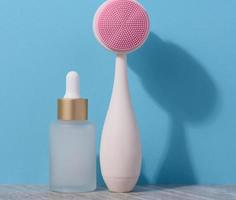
[72, 86]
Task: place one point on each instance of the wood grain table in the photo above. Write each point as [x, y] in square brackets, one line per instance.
[36, 192]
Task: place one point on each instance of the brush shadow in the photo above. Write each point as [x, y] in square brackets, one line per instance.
[100, 180]
[178, 83]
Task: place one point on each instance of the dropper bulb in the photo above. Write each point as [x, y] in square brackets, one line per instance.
[72, 85]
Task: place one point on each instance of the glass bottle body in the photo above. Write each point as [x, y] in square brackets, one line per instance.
[72, 156]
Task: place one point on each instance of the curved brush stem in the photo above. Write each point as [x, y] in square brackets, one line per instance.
[120, 152]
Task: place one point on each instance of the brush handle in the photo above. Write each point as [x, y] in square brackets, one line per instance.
[120, 150]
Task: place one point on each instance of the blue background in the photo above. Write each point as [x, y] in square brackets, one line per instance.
[182, 83]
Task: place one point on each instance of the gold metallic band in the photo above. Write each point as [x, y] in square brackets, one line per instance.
[72, 109]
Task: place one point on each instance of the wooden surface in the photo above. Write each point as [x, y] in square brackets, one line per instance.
[9, 192]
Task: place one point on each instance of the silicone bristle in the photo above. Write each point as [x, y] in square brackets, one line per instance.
[122, 25]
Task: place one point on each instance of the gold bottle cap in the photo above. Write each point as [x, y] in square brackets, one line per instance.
[72, 107]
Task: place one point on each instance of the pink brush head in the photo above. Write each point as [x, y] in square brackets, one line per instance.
[121, 26]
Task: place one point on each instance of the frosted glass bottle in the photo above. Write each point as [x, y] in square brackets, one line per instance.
[72, 144]
[73, 156]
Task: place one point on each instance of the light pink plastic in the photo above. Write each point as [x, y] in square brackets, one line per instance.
[120, 149]
[121, 25]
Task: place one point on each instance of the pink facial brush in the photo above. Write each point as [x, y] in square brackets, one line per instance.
[121, 26]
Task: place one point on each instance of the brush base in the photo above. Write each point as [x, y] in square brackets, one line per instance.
[120, 185]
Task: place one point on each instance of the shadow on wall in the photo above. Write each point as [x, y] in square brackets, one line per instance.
[180, 85]
[100, 180]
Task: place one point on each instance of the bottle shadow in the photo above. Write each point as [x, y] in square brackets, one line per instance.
[178, 83]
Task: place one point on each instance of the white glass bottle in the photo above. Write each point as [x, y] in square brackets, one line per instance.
[72, 143]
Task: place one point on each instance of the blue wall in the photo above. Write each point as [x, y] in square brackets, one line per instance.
[182, 82]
